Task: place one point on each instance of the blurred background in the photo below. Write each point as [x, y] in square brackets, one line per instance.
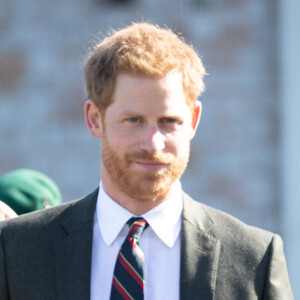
[244, 158]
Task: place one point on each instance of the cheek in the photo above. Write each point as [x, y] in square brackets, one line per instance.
[120, 142]
[178, 144]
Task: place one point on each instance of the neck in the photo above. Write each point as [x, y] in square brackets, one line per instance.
[136, 205]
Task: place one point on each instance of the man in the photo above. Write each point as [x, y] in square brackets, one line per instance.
[143, 83]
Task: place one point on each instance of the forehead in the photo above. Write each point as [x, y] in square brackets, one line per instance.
[166, 81]
[149, 90]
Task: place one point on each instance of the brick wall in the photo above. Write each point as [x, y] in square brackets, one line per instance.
[234, 159]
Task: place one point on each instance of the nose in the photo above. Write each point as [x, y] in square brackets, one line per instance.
[152, 140]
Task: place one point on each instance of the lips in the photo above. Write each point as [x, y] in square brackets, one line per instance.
[151, 166]
[147, 158]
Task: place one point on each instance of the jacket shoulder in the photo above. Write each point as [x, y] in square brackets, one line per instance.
[37, 218]
[225, 227]
[45, 220]
[250, 260]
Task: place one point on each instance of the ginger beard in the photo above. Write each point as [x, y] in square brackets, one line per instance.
[142, 184]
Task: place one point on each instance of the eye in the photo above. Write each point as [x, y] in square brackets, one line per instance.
[133, 120]
[169, 120]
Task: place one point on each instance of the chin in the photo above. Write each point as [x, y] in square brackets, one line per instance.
[152, 190]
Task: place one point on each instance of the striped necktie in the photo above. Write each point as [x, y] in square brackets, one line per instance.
[128, 280]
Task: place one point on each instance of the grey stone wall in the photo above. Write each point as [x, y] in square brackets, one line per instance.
[234, 160]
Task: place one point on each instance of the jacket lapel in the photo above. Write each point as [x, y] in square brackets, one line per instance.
[72, 253]
[199, 253]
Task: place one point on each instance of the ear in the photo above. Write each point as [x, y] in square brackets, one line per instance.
[93, 119]
[196, 115]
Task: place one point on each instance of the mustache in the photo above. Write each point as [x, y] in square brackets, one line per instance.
[157, 157]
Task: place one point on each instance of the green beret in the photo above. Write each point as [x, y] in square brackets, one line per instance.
[27, 190]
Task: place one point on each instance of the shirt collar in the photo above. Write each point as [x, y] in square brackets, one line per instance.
[164, 219]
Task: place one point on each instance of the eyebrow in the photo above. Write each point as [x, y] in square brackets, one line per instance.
[130, 113]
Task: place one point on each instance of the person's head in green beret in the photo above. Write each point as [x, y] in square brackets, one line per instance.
[26, 190]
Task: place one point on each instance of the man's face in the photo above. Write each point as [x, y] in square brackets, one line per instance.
[146, 135]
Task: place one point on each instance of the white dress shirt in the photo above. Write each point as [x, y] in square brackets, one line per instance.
[160, 243]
